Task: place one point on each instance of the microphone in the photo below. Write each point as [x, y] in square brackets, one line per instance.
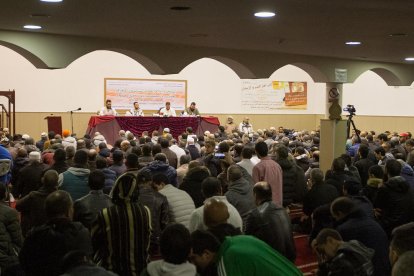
[79, 109]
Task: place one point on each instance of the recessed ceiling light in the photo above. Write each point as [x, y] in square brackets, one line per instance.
[353, 43]
[398, 35]
[32, 27]
[51, 1]
[40, 15]
[198, 35]
[409, 59]
[180, 8]
[264, 14]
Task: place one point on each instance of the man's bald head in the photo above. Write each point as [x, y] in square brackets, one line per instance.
[215, 212]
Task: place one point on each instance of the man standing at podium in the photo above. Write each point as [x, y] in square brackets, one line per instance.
[108, 110]
[168, 111]
[136, 111]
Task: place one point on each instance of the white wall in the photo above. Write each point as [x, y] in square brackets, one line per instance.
[372, 96]
[212, 85]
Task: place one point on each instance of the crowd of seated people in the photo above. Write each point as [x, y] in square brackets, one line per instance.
[217, 204]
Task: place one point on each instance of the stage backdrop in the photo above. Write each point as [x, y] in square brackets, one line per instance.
[264, 95]
[150, 93]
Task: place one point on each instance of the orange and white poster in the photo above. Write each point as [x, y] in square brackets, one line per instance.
[264, 95]
[150, 94]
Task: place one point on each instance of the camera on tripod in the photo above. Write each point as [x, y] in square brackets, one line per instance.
[350, 108]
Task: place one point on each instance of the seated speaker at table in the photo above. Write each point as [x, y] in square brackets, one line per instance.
[135, 111]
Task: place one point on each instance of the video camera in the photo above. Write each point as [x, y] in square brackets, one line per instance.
[350, 108]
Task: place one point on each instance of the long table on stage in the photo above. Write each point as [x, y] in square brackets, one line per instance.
[109, 126]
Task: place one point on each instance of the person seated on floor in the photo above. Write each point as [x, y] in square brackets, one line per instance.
[353, 224]
[271, 223]
[253, 256]
[337, 257]
[46, 245]
[175, 247]
[77, 263]
[402, 240]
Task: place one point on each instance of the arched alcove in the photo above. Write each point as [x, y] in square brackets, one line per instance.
[33, 59]
[242, 71]
[389, 77]
[312, 71]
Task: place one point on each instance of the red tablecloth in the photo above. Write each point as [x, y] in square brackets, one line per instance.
[109, 126]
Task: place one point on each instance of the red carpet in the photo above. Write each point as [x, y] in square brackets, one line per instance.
[306, 261]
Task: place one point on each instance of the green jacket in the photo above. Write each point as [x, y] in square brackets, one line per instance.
[247, 255]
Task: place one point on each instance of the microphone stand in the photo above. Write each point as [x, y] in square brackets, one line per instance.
[71, 117]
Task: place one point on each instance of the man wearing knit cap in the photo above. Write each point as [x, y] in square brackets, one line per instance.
[68, 140]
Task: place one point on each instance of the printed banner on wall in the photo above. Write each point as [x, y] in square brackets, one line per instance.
[261, 95]
[151, 94]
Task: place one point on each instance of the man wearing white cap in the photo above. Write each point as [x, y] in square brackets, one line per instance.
[31, 175]
[43, 138]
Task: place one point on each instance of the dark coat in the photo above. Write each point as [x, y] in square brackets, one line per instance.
[337, 179]
[194, 152]
[171, 157]
[395, 200]
[46, 245]
[363, 165]
[30, 178]
[351, 259]
[158, 205]
[271, 224]
[240, 195]
[110, 177]
[32, 209]
[192, 184]
[157, 166]
[294, 184]
[86, 208]
[10, 236]
[357, 226]
[318, 195]
[60, 167]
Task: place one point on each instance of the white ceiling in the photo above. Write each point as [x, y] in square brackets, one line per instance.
[310, 27]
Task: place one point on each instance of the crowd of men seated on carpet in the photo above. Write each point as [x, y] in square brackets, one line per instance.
[217, 204]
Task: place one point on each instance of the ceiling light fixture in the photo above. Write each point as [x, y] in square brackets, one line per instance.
[409, 59]
[398, 35]
[264, 14]
[180, 8]
[51, 1]
[353, 43]
[32, 27]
